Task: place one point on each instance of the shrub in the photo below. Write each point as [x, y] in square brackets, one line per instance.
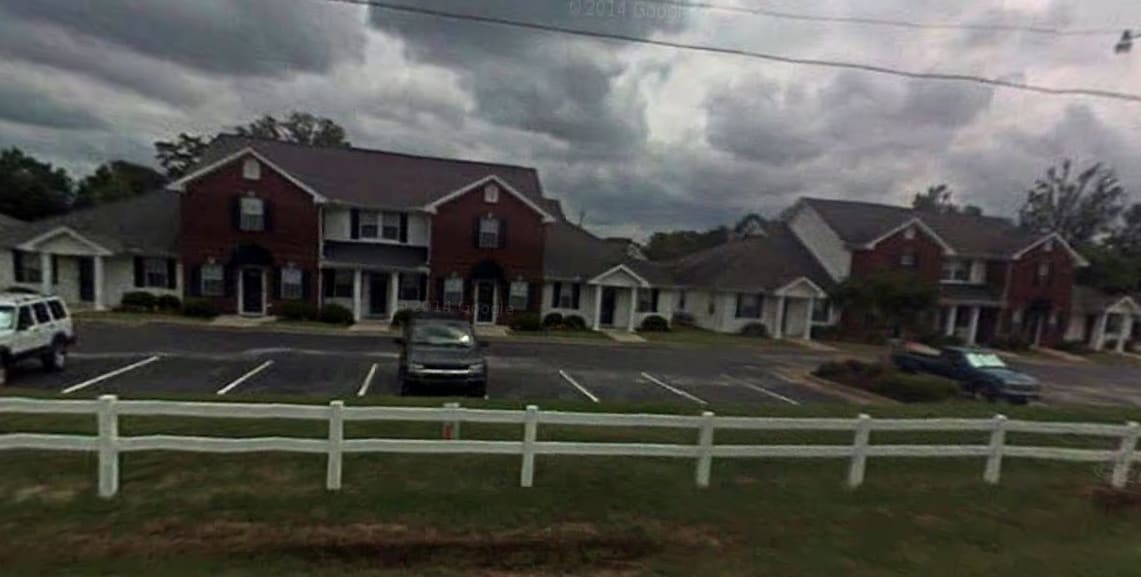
[200, 308]
[915, 388]
[334, 314]
[168, 303]
[138, 301]
[850, 372]
[825, 332]
[758, 330]
[1010, 343]
[654, 324]
[553, 321]
[401, 317]
[298, 311]
[831, 370]
[683, 319]
[526, 321]
[574, 323]
[1074, 347]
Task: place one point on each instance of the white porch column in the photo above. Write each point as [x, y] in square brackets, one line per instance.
[633, 307]
[778, 323]
[357, 295]
[45, 273]
[952, 319]
[808, 319]
[1097, 339]
[393, 294]
[597, 306]
[973, 331]
[1126, 330]
[97, 279]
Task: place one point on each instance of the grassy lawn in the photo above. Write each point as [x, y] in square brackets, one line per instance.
[560, 334]
[696, 336]
[137, 318]
[269, 514]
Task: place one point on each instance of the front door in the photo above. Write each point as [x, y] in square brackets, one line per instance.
[377, 294]
[86, 279]
[253, 291]
[606, 311]
[485, 301]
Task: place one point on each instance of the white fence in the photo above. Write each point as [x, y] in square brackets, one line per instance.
[108, 444]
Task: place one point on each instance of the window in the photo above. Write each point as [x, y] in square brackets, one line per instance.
[648, 301]
[749, 306]
[909, 233]
[391, 228]
[956, 271]
[908, 260]
[565, 296]
[821, 311]
[453, 291]
[252, 214]
[292, 285]
[155, 273]
[369, 225]
[212, 277]
[25, 318]
[711, 306]
[1043, 274]
[58, 312]
[251, 170]
[7, 317]
[1048, 246]
[27, 267]
[489, 232]
[681, 300]
[409, 287]
[42, 315]
[342, 284]
[517, 298]
[491, 193]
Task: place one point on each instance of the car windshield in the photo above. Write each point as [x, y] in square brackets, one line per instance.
[442, 334]
[985, 361]
[7, 317]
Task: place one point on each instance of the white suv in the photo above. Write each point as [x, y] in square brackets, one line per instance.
[33, 326]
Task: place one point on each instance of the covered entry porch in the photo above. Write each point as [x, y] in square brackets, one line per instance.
[622, 299]
[373, 280]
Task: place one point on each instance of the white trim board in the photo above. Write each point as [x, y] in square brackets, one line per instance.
[180, 184]
[918, 223]
[623, 268]
[431, 207]
[29, 245]
[1078, 258]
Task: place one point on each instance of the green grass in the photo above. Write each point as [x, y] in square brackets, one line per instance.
[268, 514]
[696, 336]
[128, 318]
[560, 334]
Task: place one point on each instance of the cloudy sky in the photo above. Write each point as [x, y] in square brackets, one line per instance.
[637, 138]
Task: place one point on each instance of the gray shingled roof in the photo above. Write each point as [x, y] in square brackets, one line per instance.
[573, 253]
[858, 223]
[145, 224]
[1091, 300]
[379, 179]
[375, 255]
[10, 230]
[752, 264]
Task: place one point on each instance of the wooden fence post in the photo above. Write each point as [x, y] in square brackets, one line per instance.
[994, 450]
[1125, 456]
[530, 434]
[705, 449]
[452, 425]
[336, 445]
[108, 447]
[860, 451]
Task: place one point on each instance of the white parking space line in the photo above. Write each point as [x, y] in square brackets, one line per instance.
[244, 377]
[109, 375]
[575, 384]
[672, 389]
[760, 389]
[367, 381]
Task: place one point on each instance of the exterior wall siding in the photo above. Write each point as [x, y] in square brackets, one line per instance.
[886, 257]
[1054, 295]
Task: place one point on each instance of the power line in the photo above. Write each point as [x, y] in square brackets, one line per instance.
[872, 68]
[887, 22]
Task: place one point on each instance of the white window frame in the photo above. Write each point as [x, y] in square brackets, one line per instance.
[909, 233]
[369, 220]
[251, 214]
[343, 277]
[251, 169]
[822, 306]
[1044, 270]
[566, 296]
[491, 193]
[489, 238]
[519, 286]
[409, 282]
[453, 291]
[32, 273]
[155, 273]
[292, 289]
[206, 280]
[742, 312]
[957, 268]
[647, 294]
[908, 259]
[390, 223]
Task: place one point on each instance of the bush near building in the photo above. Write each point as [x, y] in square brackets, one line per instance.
[199, 308]
[299, 311]
[526, 322]
[872, 377]
[654, 324]
[335, 314]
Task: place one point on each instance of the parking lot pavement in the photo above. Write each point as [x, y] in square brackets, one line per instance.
[1086, 383]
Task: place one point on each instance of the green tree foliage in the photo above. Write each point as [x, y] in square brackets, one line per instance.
[177, 156]
[937, 199]
[31, 189]
[117, 180]
[890, 300]
[1127, 236]
[1111, 269]
[1079, 206]
[679, 243]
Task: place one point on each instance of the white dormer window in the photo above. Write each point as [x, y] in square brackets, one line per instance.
[491, 193]
[1048, 246]
[909, 233]
[251, 169]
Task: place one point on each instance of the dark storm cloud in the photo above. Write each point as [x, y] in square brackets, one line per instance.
[21, 105]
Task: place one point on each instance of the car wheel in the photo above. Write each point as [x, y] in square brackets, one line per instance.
[56, 358]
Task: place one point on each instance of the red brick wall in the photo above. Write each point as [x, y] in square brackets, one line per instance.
[208, 229]
[886, 256]
[1057, 290]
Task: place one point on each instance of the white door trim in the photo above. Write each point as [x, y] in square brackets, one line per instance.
[242, 291]
[494, 302]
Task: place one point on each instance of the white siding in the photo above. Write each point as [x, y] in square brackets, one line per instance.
[336, 224]
[119, 278]
[7, 275]
[585, 301]
[1076, 329]
[978, 272]
[821, 241]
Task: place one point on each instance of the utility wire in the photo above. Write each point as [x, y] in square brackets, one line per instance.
[890, 22]
[872, 68]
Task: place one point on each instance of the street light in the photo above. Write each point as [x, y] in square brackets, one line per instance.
[1126, 43]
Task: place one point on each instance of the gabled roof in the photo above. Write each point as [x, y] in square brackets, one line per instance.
[11, 229]
[1090, 300]
[375, 178]
[145, 224]
[571, 252]
[752, 264]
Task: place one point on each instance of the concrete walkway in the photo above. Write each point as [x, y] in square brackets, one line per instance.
[491, 331]
[624, 336]
[240, 321]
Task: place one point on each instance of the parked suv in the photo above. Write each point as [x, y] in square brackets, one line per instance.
[439, 352]
[33, 326]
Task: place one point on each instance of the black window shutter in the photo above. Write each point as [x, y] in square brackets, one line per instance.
[403, 227]
[236, 212]
[738, 313]
[275, 281]
[328, 282]
[55, 269]
[576, 290]
[654, 300]
[229, 280]
[195, 287]
[502, 233]
[556, 292]
[267, 215]
[423, 287]
[355, 224]
[760, 305]
[139, 271]
[306, 276]
[18, 266]
[171, 273]
[475, 233]
[439, 296]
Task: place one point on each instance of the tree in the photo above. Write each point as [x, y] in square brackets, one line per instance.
[679, 243]
[1113, 270]
[31, 189]
[1127, 236]
[937, 199]
[117, 180]
[888, 300]
[178, 156]
[1080, 207]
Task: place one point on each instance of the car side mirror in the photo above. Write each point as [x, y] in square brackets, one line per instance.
[399, 341]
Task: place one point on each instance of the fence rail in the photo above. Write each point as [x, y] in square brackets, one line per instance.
[109, 444]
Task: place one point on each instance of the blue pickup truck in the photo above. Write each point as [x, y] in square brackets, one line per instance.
[981, 372]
